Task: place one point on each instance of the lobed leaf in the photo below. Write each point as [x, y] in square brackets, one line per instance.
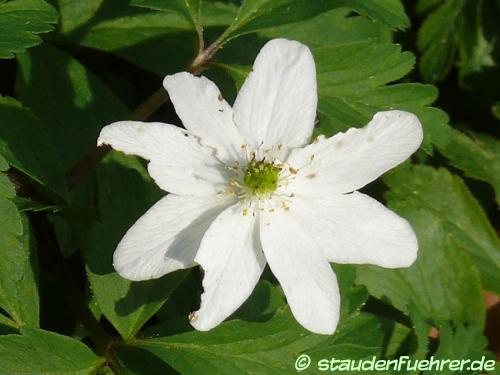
[461, 343]
[20, 22]
[443, 283]
[455, 210]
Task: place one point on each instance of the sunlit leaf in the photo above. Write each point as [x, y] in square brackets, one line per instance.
[20, 22]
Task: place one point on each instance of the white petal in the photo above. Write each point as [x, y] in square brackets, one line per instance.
[204, 112]
[303, 271]
[349, 161]
[355, 228]
[166, 238]
[277, 102]
[178, 163]
[231, 256]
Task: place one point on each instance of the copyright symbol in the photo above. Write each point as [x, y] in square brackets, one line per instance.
[302, 362]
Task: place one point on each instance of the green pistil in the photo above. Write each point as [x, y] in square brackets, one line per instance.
[261, 177]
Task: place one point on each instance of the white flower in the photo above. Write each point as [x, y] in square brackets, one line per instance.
[246, 189]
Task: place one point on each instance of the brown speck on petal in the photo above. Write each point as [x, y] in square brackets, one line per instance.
[192, 316]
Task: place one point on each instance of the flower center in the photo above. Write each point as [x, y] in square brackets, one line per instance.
[261, 177]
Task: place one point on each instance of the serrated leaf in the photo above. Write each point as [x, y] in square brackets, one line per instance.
[20, 21]
[264, 301]
[138, 35]
[127, 305]
[334, 27]
[443, 283]
[70, 102]
[7, 325]
[18, 284]
[18, 287]
[351, 79]
[476, 155]
[461, 343]
[42, 352]
[421, 327]
[448, 199]
[347, 74]
[390, 13]
[26, 146]
[248, 347]
[437, 40]
[353, 85]
[258, 15]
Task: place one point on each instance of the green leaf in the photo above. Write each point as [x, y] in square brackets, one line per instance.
[258, 15]
[390, 13]
[42, 352]
[138, 35]
[452, 205]
[248, 347]
[18, 289]
[437, 40]
[264, 301]
[190, 9]
[20, 21]
[421, 328]
[351, 79]
[18, 284]
[70, 102]
[476, 155]
[26, 146]
[331, 28]
[127, 305]
[443, 283]
[462, 343]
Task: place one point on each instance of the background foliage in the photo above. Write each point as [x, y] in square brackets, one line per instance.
[69, 67]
